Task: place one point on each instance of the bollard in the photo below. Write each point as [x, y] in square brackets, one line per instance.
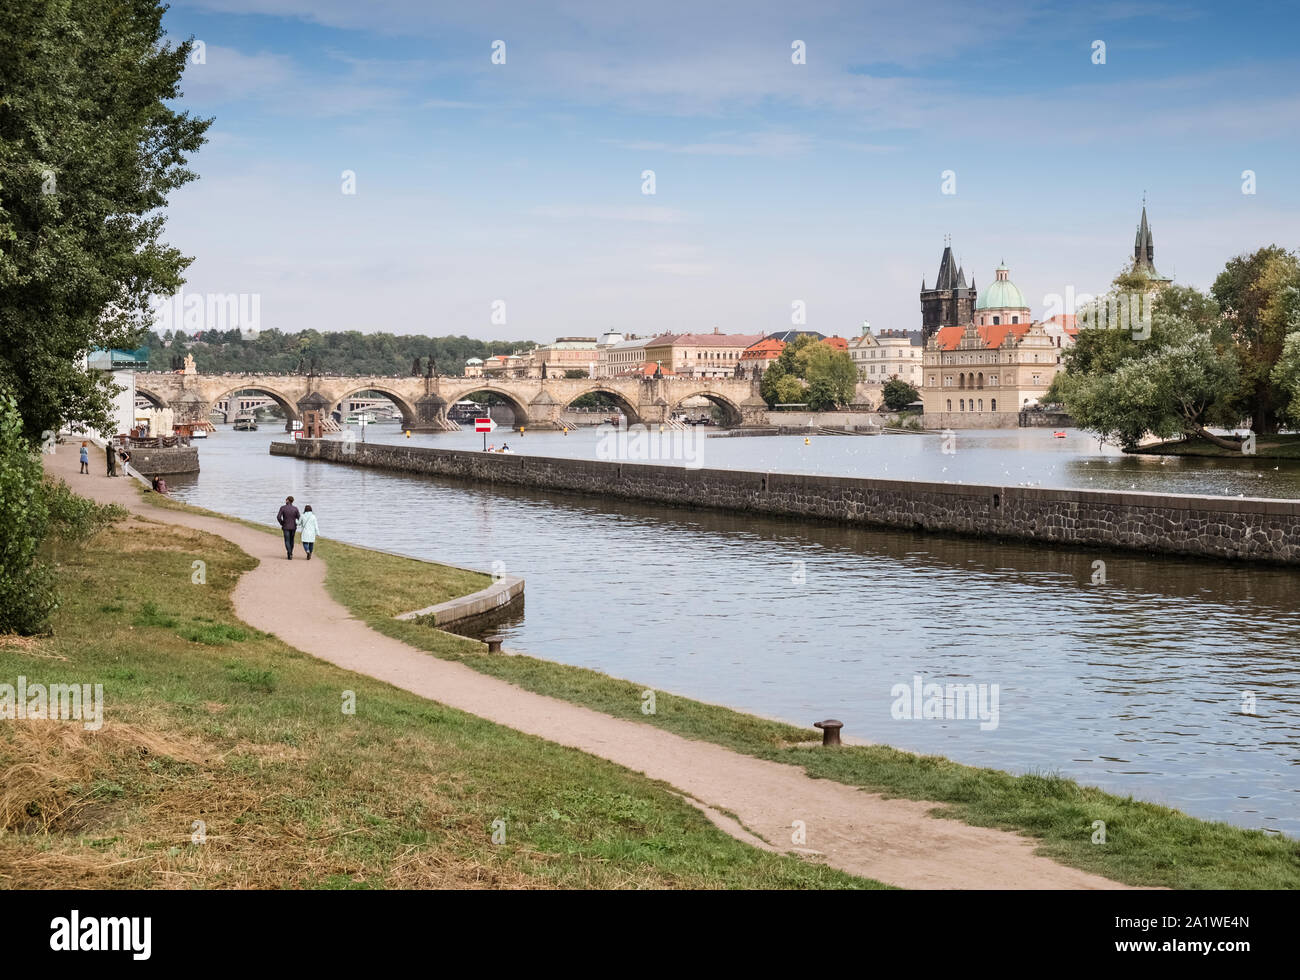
[494, 642]
[830, 731]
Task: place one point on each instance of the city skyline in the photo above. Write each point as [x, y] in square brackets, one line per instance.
[776, 183]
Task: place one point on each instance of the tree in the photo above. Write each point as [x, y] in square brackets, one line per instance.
[831, 375]
[898, 394]
[89, 151]
[810, 371]
[1257, 295]
[1286, 375]
[1178, 381]
[26, 590]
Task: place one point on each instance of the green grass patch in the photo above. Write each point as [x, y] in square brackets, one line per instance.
[1146, 844]
[238, 765]
[1286, 446]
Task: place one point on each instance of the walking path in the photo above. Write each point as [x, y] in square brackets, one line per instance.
[894, 841]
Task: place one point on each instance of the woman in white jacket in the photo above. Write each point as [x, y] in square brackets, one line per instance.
[307, 528]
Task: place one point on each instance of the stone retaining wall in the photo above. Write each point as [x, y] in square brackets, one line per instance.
[1210, 527]
[161, 462]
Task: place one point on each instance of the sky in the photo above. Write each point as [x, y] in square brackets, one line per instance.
[507, 200]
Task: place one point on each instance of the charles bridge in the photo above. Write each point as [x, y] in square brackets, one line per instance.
[538, 403]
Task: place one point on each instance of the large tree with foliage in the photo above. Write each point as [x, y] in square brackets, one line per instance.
[1178, 381]
[89, 151]
[1256, 293]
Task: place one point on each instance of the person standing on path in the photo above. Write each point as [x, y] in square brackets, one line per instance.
[308, 531]
[85, 459]
[111, 453]
[288, 520]
[126, 463]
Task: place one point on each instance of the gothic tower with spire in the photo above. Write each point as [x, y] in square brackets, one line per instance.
[951, 303]
[1144, 250]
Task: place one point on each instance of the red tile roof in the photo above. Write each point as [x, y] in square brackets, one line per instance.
[646, 370]
[768, 349]
[839, 343]
[949, 337]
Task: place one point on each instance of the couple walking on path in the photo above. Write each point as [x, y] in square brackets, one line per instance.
[291, 521]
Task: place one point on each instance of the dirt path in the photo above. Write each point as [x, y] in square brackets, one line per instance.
[894, 841]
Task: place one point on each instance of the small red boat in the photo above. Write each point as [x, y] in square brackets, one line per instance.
[1059, 435]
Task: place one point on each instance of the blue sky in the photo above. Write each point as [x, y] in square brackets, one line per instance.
[521, 182]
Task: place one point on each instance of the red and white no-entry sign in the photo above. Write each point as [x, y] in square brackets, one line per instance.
[484, 425]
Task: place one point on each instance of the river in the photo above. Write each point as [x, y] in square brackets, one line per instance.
[1136, 685]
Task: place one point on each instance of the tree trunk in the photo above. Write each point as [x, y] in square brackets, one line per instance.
[1263, 420]
[1219, 441]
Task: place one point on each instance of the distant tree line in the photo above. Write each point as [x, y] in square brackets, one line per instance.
[334, 352]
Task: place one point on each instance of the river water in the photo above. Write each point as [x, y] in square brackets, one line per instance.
[1137, 684]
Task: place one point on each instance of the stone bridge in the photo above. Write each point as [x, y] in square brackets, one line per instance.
[537, 402]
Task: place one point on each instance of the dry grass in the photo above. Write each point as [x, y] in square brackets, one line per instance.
[248, 738]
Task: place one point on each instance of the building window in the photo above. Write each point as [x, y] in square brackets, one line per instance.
[993, 405]
[997, 320]
[950, 404]
[1015, 319]
[981, 404]
[962, 403]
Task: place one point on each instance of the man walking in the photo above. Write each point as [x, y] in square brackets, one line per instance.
[288, 520]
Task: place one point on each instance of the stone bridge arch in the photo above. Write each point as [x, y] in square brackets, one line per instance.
[150, 395]
[627, 404]
[523, 416]
[285, 403]
[410, 413]
[732, 412]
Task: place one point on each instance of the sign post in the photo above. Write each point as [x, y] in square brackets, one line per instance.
[484, 426]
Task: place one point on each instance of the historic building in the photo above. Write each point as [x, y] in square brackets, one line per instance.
[951, 303]
[758, 356]
[700, 355]
[887, 354]
[1001, 302]
[982, 376]
[622, 355]
[566, 354]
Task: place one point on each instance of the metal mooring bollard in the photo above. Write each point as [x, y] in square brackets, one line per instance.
[494, 643]
[830, 730]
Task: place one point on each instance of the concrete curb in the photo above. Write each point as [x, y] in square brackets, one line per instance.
[494, 597]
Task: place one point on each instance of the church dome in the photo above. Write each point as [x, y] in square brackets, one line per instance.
[1001, 293]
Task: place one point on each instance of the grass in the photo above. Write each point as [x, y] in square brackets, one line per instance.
[229, 759]
[1266, 447]
[1146, 844]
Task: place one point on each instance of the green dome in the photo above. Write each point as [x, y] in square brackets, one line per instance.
[1001, 294]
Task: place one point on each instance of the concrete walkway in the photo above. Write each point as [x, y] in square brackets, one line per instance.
[894, 841]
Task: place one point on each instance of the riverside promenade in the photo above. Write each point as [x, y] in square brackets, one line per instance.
[895, 841]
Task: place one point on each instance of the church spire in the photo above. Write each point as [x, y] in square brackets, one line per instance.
[1144, 249]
